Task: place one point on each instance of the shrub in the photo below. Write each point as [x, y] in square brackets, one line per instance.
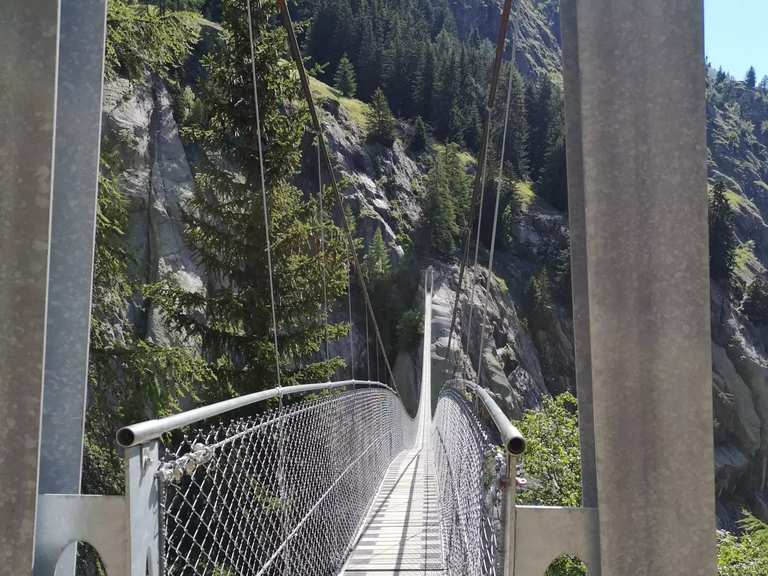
[410, 329]
[755, 305]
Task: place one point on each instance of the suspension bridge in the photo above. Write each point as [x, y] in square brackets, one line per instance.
[343, 477]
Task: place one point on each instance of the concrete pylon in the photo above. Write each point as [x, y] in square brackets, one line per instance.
[28, 60]
[636, 135]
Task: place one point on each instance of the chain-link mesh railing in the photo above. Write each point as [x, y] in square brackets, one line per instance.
[470, 467]
[282, 492]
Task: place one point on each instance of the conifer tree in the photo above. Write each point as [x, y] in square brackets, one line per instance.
[721, 76]
[751, 79]
[439, 210]
[232, 319]
[455, 124]
[722, 237]
[419, 140]
[553, 183]
[755, 304]
[380, 122]
[377, 259]
[344, 80]
[517, 133]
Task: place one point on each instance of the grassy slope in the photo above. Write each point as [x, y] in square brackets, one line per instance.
[355, 109]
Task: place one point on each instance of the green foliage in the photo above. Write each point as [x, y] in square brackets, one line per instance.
[130, 378]
[379, 120]
[745, 554]
[755, 304]
[142, 38]
[225, 223]
[377, 259]
[722, 238]
[552, 461]
[539, 293]
[410, 328]
[751, 79]
[516, 154]
[445, 202]
[413, 52]
[552, 454]
[190, 108]
[553, 182]
[566, 566]
[419, 141]
[544, 109]
[344, 80]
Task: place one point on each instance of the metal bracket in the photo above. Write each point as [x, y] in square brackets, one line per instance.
[544, 533]
[63, 519]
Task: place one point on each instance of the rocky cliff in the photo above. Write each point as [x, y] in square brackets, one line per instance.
[538, 30]
[737, 117]
[382, 186]
[528, 348]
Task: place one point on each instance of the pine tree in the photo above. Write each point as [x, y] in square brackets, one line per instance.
[751, 78]
[553, 183]
[428, 86]
[459, 183]
[721, 76]
[344, 80]
[377, 259]
[439, 210]
[722, 237]
[232, 319]
[517, 133]
[419, 140]
[756, 302]
[380, 122]
[473, 131]
[455, 124]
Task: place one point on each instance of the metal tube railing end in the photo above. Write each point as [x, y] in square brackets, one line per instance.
[512, 438]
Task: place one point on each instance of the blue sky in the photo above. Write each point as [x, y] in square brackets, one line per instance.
[736, 35]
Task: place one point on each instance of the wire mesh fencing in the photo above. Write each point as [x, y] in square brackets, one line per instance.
[470, 467]
[282, 492]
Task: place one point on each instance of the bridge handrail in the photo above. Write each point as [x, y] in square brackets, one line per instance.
[142, 432]
[512, 438]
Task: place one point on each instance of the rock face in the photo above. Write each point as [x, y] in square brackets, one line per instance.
[157, 179]
[738, 155]
[538, 27]
[382, 186]
[510, 364]
[379, 183]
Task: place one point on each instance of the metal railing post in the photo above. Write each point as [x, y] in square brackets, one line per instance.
[143, 499]
[510, 517]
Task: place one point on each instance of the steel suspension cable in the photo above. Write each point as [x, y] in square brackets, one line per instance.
[500, 44]
[367, 346]
[499, 182]
[299, 62]
[351, 330]
[322, 251]
[484, 168]
[263, 191]
[280, 432]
